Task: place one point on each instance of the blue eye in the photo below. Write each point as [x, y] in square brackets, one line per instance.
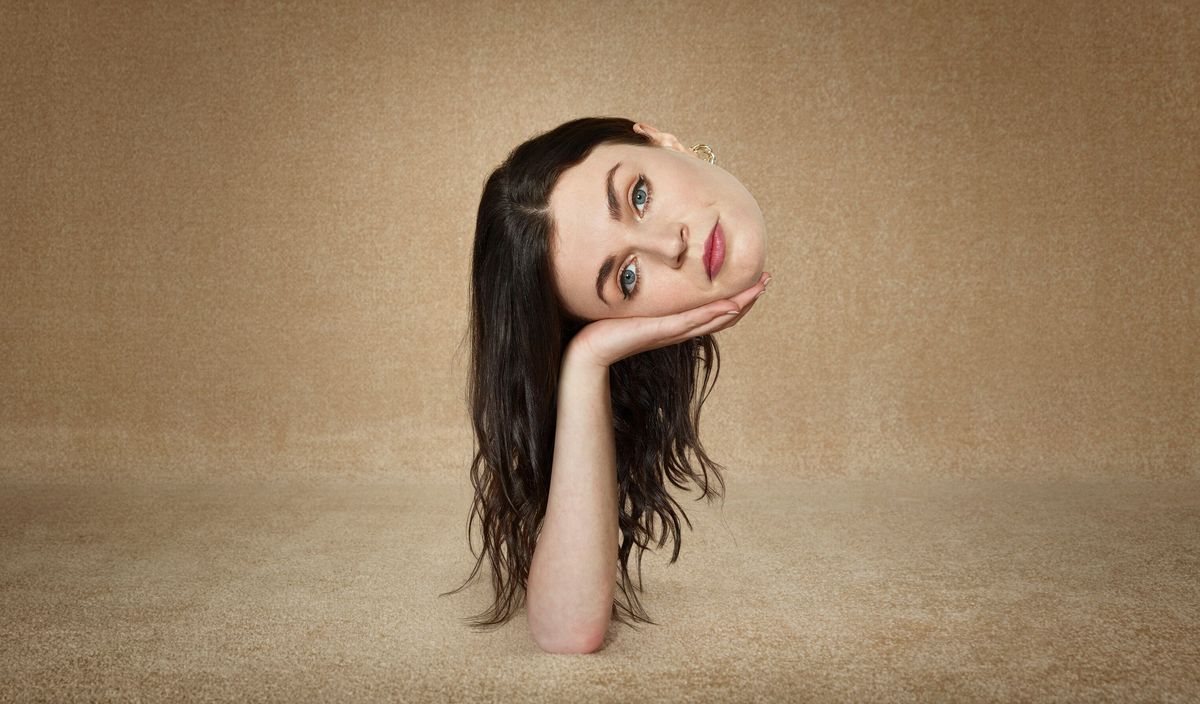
[625, 278]
[641, 195]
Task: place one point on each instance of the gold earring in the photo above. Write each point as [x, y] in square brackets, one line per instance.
[705, 153]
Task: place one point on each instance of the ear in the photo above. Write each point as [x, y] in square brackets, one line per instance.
[662, 139]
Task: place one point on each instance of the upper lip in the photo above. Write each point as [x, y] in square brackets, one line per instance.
[705, 252]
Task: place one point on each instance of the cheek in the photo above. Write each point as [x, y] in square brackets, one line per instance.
[682, 296]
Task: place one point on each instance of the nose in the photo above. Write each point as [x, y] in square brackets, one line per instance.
[671, 243]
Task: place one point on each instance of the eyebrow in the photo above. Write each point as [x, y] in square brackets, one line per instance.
[614, 214]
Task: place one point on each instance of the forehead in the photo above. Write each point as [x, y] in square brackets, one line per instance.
[579, 203]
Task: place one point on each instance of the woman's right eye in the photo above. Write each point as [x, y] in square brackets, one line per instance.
[624, 279]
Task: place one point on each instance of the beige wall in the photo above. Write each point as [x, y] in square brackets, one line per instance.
[236, 239]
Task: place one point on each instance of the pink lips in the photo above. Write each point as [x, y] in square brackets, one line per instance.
[714, 251]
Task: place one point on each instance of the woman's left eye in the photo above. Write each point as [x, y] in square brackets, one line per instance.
[641, 195]
[627, 283]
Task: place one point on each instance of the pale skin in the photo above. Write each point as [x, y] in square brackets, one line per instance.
[572, 576]
[668, 201]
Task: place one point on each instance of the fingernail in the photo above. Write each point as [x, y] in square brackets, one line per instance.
[760, 293]
[732, 312]
[765, 283]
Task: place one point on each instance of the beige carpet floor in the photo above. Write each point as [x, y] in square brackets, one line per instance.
[829, 590]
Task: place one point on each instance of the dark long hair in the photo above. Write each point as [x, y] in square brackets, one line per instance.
[518, 333]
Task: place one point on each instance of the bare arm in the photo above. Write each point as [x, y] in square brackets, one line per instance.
[572, 574]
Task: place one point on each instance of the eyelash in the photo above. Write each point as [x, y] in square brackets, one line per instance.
[641, 182]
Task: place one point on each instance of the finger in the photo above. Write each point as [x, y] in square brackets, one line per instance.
[741, 301]
[716, 315]
[746, 308]
[747, 296]
[698, 321]
[756, 291]
[733, 319]
[745, 300]
[715, 325]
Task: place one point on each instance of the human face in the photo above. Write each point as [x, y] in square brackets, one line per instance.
[657, 244]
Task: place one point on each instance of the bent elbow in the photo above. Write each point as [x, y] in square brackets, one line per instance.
[579, 642]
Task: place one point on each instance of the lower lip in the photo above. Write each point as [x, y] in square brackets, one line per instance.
[716, 251]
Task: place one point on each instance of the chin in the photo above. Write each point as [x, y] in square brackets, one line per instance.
[753, 264]
[745, 255]
[752, 276]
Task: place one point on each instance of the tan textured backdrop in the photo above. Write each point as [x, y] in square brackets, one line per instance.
[236, 238]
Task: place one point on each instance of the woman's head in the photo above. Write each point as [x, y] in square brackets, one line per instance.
[545, 227]
[630, 224]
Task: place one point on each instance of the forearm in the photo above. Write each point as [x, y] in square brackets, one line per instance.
[571, 578]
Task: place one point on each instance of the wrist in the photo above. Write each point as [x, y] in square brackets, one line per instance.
[580, 356]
